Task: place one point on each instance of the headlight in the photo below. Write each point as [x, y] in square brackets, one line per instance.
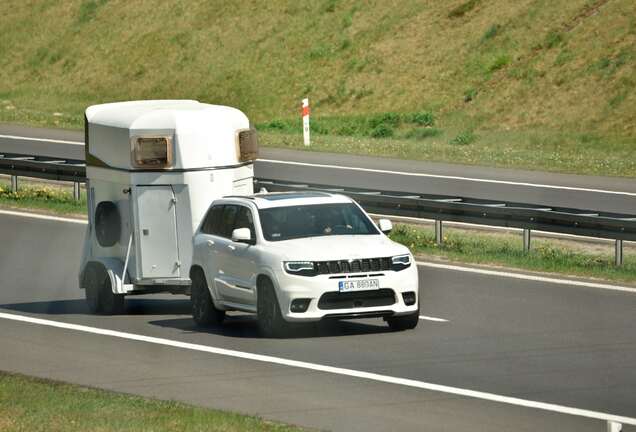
[400, 262]
[300, 268]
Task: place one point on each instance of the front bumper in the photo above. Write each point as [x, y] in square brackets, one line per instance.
[325, 302]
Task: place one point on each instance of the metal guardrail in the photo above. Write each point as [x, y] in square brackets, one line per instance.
[528, 217]
[44, 167]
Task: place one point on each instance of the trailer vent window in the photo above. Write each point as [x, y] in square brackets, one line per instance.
[152, 152]
[247, 145]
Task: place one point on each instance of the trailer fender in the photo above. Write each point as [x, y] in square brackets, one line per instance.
[114, 268]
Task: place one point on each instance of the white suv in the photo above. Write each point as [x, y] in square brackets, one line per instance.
[300, 257]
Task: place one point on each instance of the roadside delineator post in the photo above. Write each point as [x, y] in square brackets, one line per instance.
[14, 183]
[306, 121]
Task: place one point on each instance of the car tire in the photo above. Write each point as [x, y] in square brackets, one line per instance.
[99, 293]
[404, 322]
[204, 313]
[270, 320]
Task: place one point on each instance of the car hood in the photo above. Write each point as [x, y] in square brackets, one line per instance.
[337, 247]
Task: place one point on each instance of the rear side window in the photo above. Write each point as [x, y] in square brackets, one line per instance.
[227, 221]
[212, 221]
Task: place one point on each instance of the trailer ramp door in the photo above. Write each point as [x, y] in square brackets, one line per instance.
[156, 231]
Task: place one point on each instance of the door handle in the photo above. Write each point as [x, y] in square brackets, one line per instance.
[231, 247]
[210, 243]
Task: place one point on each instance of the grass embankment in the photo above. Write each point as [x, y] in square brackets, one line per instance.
[529, 84]
[459, 245]
[28, 404]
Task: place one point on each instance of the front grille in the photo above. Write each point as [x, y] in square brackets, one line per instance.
[353, 266]
[357, 299]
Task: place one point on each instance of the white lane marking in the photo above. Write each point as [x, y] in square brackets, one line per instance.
[419, 263]
[448, 177]
[323, 368]
[42, 140]
[43, 217]
[527, 277]
[411, 174]
[430, 318]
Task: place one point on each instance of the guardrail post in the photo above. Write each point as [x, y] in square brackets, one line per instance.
[76, 191]
[14, 183]
[614, 427]
[618, 253]
[526, 239]
[439, 232]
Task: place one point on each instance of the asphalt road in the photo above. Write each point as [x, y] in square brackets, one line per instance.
[585, 192]
[554, 343]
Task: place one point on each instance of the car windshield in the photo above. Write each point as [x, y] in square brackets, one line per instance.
[285, 223]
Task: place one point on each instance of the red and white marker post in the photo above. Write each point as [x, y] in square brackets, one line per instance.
[306, 121]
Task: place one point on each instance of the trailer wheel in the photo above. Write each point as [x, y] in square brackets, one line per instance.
[107, 224]
[203, 311]
[91, 289]
[99, 294]
[270, 320]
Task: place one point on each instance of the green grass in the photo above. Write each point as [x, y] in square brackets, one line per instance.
[53, 199]
[506, 250]
[29, 404]
[518, 75]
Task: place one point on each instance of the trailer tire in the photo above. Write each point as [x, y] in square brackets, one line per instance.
[91, 289]
[99, 294]
[204, 313]
[270, 320]
[107, 224]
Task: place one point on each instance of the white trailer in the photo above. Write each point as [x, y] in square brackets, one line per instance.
[152, 169]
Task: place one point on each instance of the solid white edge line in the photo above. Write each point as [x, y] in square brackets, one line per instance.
[42, 139]
[419, 263]
[360, 169]
[448, 177]
[327, 369]
[43, 217]
[527, 277]
[430, 318]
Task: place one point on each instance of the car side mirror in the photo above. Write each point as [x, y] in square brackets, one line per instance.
[385, 225]
[242, 235]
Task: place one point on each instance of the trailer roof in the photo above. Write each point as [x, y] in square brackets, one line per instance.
[201, 135]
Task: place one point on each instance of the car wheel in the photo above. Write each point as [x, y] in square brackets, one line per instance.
[405, 322]
[203, 311]
[270, 320]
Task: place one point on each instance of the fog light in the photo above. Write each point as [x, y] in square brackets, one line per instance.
[409, 298]
[299, 305]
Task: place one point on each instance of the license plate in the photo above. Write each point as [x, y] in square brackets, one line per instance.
[358, 285]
